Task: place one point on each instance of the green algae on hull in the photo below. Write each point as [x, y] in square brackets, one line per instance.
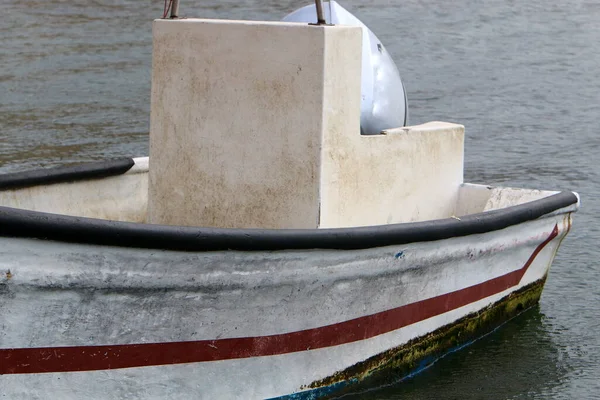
[397, 363]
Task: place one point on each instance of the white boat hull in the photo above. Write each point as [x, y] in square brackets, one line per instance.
[123, 323]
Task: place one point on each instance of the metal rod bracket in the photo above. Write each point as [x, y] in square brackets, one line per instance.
[320, 14]
[175, 9]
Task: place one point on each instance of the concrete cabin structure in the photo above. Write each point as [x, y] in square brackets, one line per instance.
[256, 125]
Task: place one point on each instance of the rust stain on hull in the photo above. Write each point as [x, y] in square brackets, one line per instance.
[397, 363]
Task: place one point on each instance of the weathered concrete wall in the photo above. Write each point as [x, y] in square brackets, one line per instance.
[257, 125]
[404, 175]
[238, 112]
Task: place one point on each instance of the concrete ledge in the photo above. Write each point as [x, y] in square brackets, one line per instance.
[403, 175]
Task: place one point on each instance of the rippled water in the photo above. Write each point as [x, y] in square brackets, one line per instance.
[522, 76]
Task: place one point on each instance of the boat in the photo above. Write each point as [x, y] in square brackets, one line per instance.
[265, 249]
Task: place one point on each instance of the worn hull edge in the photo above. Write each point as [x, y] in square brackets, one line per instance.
[46, 226]
[404, 361]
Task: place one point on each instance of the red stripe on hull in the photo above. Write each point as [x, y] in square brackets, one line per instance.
[93, 358]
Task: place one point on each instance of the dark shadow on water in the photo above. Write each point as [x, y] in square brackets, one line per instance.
[519, 360]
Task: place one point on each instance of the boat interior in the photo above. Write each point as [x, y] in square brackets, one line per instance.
[124, 197]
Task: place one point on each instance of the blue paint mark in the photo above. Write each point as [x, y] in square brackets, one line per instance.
[426, 363]
[314, 394]
[400, 254]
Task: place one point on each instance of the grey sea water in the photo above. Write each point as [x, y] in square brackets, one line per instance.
[522, 76]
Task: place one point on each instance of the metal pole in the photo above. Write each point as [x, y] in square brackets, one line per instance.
[320, 16]
[175, 9]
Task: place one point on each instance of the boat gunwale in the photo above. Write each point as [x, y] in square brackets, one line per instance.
[63, 174]
[23, 223]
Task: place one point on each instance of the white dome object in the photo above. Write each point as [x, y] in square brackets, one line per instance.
[383, 97]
